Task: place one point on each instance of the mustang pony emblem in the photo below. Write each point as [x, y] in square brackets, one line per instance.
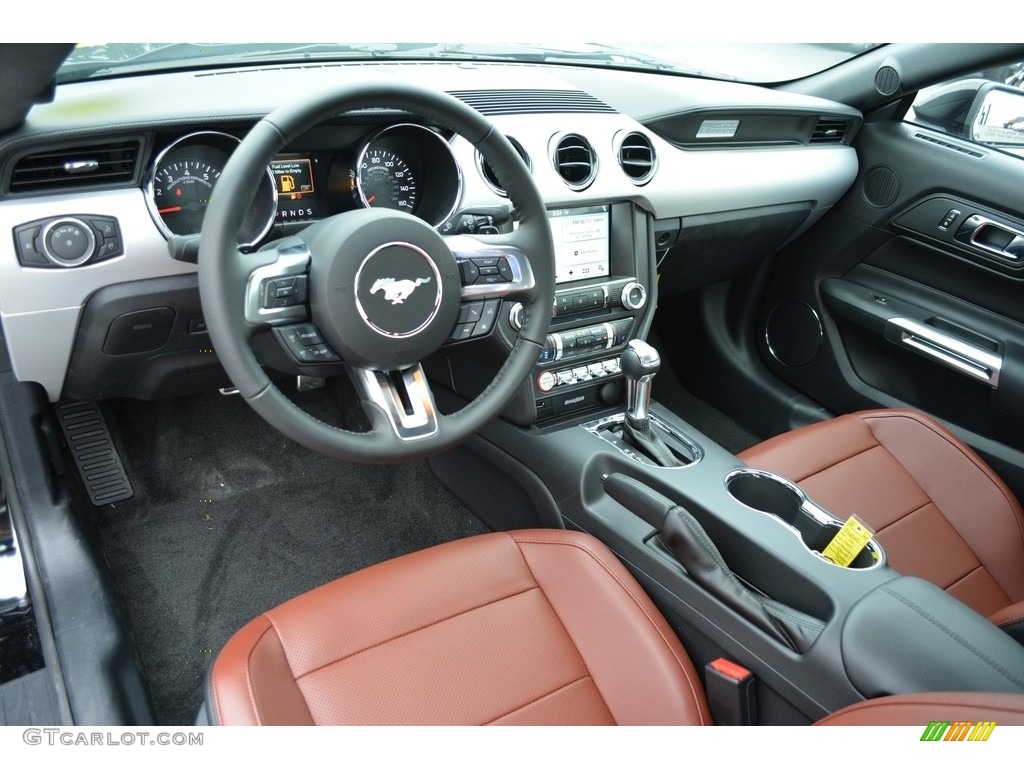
[397, 291]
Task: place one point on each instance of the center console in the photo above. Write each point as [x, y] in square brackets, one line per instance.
[731, 555]
[604, 297]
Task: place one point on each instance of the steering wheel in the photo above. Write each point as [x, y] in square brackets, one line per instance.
[384, 288]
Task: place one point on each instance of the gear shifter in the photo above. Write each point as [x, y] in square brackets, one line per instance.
[640, 362]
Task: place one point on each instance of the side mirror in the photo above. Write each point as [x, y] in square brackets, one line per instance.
[997, 115]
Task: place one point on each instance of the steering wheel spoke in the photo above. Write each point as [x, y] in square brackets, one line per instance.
[403, 396]
[277, 293]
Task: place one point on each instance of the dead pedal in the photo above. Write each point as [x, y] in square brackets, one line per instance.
[96, 457]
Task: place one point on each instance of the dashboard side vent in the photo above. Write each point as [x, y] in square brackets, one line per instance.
[637, 157]
[75, 166]
[488, 173]
[828, 131]
[949, 145]
[574, 160]
[532, 102]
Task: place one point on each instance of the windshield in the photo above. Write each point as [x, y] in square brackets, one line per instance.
[746, 62]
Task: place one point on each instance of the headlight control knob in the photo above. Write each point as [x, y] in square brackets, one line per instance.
[634, 295]
[67, 242]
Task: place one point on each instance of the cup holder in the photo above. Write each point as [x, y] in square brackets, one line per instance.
[778, 497]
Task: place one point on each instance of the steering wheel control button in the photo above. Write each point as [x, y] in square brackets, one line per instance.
[281, 292]
[462, 331]
[487, 317]
[305, 344]
[470, 272]
[471, 312]
[398, 290]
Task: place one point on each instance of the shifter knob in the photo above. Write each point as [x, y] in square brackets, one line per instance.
[639, 359]
[639, 363]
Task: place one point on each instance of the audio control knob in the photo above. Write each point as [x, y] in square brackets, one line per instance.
[67, 242]
[634, 295]
[515, 316]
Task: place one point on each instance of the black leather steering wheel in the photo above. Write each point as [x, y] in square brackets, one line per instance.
[347, 262]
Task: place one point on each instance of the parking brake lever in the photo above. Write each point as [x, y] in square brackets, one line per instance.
[697, 553]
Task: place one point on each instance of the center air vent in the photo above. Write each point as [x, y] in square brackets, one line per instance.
[636, 157]
[574, 160]
[828, 131]
[488, 173]
[76, 166]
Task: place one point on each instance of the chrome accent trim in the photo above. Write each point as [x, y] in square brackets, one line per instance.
[638, 390]
[619, 139]
[523, 155]
[767, 338]
[291, 260]
[595, 163]
[440, 139]
[81, 166]
[158, 161]
[601, 427]
[949, 351]
[13, 587]
[90, 238]
[438, 290]
[627, 289]
[380, 388]
[817, 513]
[609, 329]
[968, 233]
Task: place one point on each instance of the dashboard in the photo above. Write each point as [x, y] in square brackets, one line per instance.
[103, 192]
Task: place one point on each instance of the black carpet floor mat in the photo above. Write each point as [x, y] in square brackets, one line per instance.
[230, 518]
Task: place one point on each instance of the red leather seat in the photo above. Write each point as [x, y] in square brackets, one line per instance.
[939, 511]
[540, 627]
[532, 627]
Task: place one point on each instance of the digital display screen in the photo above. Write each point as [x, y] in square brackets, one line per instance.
[581, 237]
[296, 189]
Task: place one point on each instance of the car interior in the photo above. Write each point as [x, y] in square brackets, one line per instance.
[442, 385]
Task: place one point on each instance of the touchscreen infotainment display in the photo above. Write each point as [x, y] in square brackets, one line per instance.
[581, 237]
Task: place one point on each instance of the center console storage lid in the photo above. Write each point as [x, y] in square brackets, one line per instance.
[907, 635]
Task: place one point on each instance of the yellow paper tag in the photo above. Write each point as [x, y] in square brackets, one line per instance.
[849, 542]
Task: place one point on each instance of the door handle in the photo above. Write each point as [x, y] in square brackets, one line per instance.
[945, 349]
[999, 240]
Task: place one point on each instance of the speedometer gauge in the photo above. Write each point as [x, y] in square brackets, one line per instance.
[384, 180]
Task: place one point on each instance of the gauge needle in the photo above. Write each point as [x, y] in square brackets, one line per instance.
[370, 199]
[171, 209]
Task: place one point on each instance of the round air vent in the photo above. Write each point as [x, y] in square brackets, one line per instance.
[488, 173]
[887, 80]
[574, 160]
[637, 157]
[881, 186]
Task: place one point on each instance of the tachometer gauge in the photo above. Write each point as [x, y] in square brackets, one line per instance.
[181, 191]
[384, 180]
[182, 180]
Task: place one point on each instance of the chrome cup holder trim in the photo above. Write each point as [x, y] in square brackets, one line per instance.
[805, 506]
